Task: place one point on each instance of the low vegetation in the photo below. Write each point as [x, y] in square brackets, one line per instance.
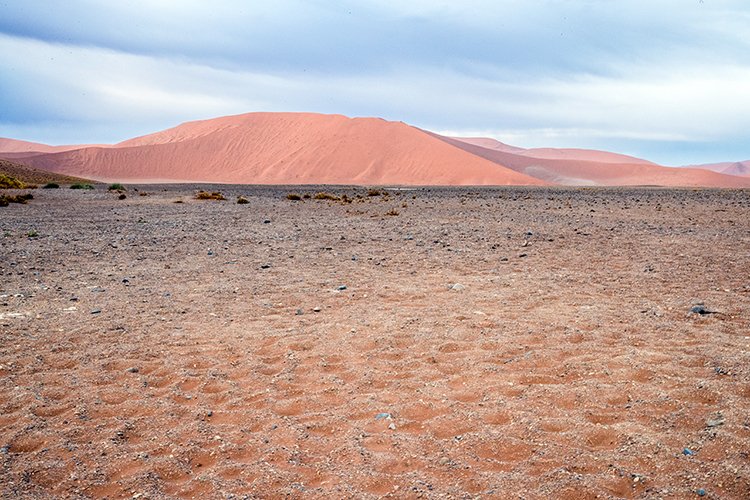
[51, 185]
[205, 195]
[8, 182]
[241, 200]
[81, 186]
[6, 199]
[325, 196]
[116, 187]
[392, 212]
[293, 197]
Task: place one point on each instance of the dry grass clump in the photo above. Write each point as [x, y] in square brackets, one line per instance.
[7, 199]
[241, 200]
[392, 212]
[374, 192]
[51, 185]
[293, 197]
[81, 186]
[8, 182]
[325, 196]
[204, 195]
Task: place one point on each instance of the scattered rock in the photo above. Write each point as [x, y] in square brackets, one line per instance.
[456, 286]
[133, 369]
[209, 413]
[688, 452]
[316, 309]
[381, 416]
[523, 255]
[392, 426]
[265, 266]
[266, 221]
[700, 492]
[96, 311]
[341, 288]
[299, 312]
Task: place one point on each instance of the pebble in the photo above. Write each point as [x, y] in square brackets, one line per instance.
[688, 452]
[715, 421]
[341, 288]
[700, 492]
[209, 413]
[266, 221]
[265, 266]
[96, 311]
[392, 426]
[299, 312]
[700, 309]
[316, 309]
[456, 286]
[133, 369]
[381, 416]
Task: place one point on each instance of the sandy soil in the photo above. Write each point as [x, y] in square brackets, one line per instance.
[152, 350]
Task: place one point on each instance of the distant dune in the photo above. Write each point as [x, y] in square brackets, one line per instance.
[307, 148]
[739, 168]
[580, 167]
[30, 175]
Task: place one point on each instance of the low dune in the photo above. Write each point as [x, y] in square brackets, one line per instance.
[739, 168]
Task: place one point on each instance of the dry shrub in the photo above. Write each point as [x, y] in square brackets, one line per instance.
[7, 199]
[374, 192]
[204, 195]
[8, 182]
[293, 197]
[325, 196]
[241, 200]
[392, 212]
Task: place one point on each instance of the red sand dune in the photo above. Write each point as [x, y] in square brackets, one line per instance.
[306, 148]
[286, 148]
[585, 171]
[739, 168]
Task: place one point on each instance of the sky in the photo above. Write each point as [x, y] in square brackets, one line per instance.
[667, 80]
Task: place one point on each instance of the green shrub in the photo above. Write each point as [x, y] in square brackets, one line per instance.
[51, 185]
[82, 186]
[116, 187]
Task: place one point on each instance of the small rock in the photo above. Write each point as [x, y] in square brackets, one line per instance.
[700, 492]
[125, 280]
[5, 450]
[210, 252]
[74, 299]
[701, 309]
[133, 369]
[96, 311]
[341, 288]
[381, 416]
[392, 426]
[299, 312]
[688, 452]
[456, 286]
[715, 421]
[209, 413]
[523, 255]
[265, 266]
[266, 221]
[317, 309]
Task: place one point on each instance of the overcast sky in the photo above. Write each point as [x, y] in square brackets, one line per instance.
[668, 80]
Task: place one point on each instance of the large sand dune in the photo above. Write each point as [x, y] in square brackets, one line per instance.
[286, 148]
[307, 148]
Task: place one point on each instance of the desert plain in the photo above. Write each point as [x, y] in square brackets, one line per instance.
[516, 342]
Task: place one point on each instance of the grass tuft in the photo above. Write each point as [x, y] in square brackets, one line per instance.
[241, 200]
[325, 196]
[82, 186]
[116, 187]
